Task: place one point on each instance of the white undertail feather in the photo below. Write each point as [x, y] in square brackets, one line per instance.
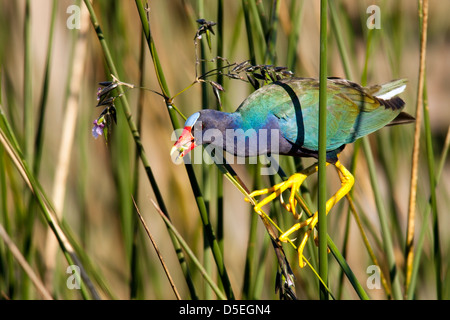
[390, 89]
[391, 94]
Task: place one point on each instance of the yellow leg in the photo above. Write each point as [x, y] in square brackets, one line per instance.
[347, 182]
[294, 182]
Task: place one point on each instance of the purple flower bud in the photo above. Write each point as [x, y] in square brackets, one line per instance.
[97, 130]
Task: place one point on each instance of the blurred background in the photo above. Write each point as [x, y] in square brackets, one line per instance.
[48, 96]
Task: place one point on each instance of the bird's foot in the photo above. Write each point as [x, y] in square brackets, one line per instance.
[294, 182]
[310, 223]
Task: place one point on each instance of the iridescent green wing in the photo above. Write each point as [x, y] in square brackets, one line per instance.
[377, 105]
[352, 113]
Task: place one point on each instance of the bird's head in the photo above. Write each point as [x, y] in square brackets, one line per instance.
[186, 142]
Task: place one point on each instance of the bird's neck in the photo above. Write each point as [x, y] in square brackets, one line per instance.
[216, 125]
[222, 121]
[230, 132]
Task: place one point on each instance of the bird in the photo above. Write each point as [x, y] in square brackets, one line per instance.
[285, 114]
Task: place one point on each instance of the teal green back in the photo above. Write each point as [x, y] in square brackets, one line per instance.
[351, 112]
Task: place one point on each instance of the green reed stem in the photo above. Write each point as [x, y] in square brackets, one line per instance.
[322, 195]
[27, 129]
[250, 257]
[219, 176]
[136, 278]
[433, 200]
[27, 85]
[205, 173]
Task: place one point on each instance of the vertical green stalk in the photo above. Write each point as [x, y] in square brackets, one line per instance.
[219, 37]
[205, 172]
[136, 279]
[219, 182]
[433, 201]
[28, 131]
[28, 92]
[122, 164]
[250, 257]
[219, 175]
[322, 195]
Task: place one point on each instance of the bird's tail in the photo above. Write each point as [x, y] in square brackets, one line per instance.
[387, 95]
[402, 118]
[388, 90]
